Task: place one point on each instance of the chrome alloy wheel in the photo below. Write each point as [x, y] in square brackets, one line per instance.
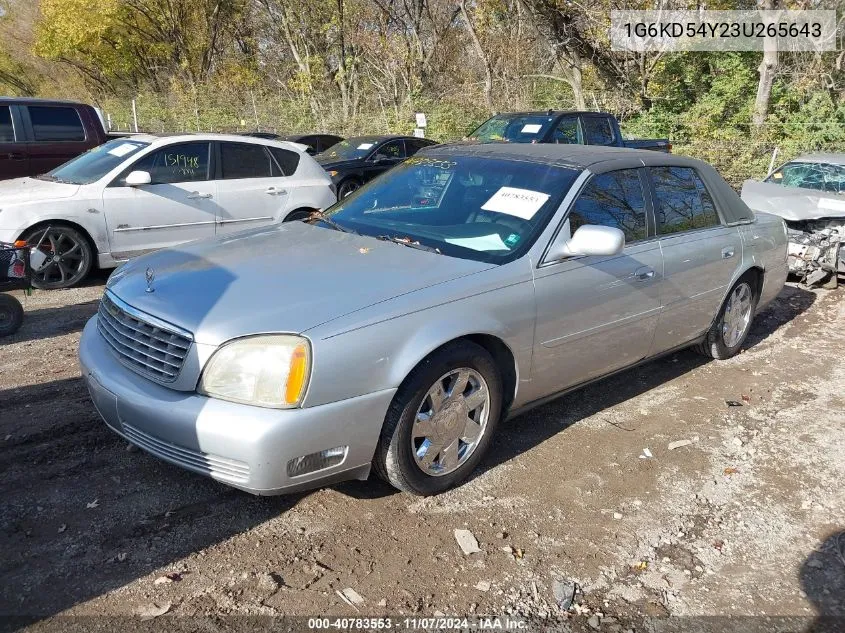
[737, 314]
[450, 422]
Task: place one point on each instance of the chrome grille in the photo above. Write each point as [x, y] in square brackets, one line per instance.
[221, 467]
[142, 343]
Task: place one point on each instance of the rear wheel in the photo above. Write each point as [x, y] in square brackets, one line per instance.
[11, 315]
[299, 214]
[731, 327]
[441, 420]
[69, 256]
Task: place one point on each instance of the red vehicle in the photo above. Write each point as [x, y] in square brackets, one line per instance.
[37, 135]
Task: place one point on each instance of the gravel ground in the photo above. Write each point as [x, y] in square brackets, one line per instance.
[743, 519]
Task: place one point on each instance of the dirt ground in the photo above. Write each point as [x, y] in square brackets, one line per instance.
[743, 520]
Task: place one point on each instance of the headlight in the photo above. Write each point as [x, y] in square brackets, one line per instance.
[266, 371]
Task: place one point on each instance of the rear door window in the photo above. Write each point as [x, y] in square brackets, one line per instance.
[7, 131]
[612, 199]
[183, 162]
[567, 132]
[246, 160]
[598, 131]
[682, 202]
[415, 145]
[56, 124]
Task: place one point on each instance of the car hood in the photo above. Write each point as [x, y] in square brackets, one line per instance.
[792, 203]
[21, 190]
[285, 278]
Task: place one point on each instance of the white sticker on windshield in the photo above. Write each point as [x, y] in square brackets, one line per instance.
[523, 203]
[481, 243]
[531, 128]
[365, 145]
[123, 149]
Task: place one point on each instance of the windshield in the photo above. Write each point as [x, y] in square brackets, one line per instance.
[484, 209]
[515, 128]
[95, 163]
[819, 176]
[351, 148]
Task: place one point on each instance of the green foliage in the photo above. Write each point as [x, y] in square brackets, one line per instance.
[361, 66]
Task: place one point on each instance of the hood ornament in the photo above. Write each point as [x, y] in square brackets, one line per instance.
[150, 275]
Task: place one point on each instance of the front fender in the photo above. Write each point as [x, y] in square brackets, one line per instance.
[17, 220]
[380, 355]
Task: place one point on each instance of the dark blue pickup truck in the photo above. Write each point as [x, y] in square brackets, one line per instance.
[568, 127]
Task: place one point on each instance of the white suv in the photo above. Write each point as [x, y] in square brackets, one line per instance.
[138, 194]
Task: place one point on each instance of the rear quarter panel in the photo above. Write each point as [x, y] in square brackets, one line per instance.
[764, 246]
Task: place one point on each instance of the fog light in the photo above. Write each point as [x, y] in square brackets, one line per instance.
[316, 461]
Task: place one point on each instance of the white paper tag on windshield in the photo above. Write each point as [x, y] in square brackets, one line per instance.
[523, 203]
[122, 150]
[365, 145]
[481, 243]
[531, 128]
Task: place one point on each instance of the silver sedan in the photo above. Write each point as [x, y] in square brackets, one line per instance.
[395, 331]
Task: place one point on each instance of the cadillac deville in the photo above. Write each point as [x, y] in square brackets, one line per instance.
[394, 331]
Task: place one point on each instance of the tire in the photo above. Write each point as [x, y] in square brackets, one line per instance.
[346, 187]
[74, 261]
[299, 214]
[11, 315]
[725, 337]
[421, 464]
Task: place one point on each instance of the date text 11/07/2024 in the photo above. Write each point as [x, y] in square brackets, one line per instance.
[444, 623]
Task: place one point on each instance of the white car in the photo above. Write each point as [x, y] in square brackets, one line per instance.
[139, 194]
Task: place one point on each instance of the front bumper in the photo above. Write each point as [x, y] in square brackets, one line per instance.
[243, 446]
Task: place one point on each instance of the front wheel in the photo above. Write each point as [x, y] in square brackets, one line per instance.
[346, 188]
[441, 420]
[69, 256]
[731, 327]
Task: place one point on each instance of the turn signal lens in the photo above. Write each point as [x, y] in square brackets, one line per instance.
[20, 244]
[297, 375]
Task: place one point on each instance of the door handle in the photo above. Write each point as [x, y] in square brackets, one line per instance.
[727, 252]
[273, 191]
[196, 195]
[643, 274]
[15, 156]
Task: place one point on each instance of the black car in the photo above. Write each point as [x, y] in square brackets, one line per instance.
[356, 160]
[316, 142]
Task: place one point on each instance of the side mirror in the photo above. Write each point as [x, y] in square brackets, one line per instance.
[589, 239]
[138, 178]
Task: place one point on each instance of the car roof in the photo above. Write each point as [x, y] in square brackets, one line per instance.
[551, 113]
[374, 138]
[574, 156]
[210, 136]
[40, 101]
[833, 159]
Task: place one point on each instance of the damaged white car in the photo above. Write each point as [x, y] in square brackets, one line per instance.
[809, 194]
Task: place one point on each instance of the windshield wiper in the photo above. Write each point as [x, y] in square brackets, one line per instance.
[322, 217]
[407, 241]
[51, 178]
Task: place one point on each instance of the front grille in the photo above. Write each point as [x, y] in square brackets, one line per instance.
[143, 345]
[229, 469]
